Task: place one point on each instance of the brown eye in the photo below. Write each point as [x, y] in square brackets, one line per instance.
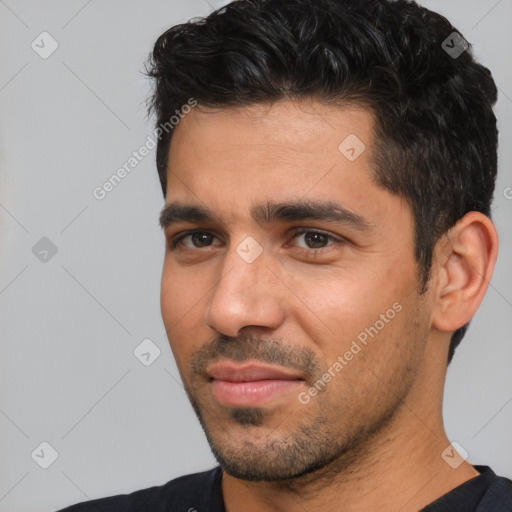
[314, 239]
[195, 240]
[201, 239]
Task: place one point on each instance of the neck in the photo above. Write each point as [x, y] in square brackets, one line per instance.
[399, 468]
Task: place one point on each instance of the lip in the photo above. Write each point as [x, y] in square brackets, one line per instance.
[250, 384]
[249, 372]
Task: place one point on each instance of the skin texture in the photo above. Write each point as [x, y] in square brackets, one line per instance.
[302, 303]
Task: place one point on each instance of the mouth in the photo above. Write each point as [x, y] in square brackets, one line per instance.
[251, 384]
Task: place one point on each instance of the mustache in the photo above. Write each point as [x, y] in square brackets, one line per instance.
[250, 347]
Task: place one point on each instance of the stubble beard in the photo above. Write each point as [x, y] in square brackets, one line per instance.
[307, 453]
[304, 446]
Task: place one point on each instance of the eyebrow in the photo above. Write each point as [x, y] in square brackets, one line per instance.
[268, 213]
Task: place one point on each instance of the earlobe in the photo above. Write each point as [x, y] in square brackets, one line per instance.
[466, 256]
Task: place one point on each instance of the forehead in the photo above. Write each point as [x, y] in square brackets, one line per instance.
[295, 127]
[285, 146]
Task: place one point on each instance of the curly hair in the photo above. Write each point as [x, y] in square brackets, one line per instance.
[435, 136]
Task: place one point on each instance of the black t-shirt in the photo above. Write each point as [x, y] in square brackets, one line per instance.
[201, 492]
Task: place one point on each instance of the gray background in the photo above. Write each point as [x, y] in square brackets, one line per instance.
[68, 326]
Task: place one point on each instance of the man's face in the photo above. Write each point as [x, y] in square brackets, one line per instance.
[297, 332]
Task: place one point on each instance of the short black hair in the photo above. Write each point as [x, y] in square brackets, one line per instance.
[435, 135]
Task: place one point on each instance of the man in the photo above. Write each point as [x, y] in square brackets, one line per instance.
[328, 177]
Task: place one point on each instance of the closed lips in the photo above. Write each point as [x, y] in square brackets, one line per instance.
[249, 373]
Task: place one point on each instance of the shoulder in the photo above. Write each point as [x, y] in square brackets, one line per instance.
[498, 496]
[198, 491]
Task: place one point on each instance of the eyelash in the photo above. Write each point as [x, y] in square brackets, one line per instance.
[174, 242]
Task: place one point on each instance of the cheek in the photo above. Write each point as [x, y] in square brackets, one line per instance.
[372, 375]
[180, 292]
[183, 299]
[360, 318]
[176, 304]
[342, 301]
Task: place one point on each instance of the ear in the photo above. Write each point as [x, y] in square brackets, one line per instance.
[464, 261]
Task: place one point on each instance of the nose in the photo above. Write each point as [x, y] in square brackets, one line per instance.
[247, 294]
